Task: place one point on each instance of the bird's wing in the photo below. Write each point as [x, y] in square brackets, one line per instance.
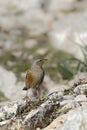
[29, 78]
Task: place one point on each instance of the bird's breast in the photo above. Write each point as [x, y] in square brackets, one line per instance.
[34, 77]
[38, 73]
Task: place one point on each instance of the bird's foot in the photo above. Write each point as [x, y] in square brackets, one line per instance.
[39, 101]
[26, 98]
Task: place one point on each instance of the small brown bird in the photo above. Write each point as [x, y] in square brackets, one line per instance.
[35, 75]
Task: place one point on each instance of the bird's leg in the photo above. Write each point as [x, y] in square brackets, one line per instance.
[38, 94]
[26, 97]
[27, 94]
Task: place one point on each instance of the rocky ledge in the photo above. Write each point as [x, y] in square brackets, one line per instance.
[64, 110]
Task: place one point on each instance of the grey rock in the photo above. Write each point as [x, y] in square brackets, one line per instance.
[68, 32]
[81, 89]
[77, 119]
[68, 97]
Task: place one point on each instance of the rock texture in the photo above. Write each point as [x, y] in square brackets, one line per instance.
[9, 85]
[27, 115]
[77, 119]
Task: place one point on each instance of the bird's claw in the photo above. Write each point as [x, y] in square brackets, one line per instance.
[26, 98]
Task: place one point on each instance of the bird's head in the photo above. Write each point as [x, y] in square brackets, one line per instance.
[40, 62]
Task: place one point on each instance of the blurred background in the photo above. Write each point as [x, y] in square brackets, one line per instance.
[33, 29]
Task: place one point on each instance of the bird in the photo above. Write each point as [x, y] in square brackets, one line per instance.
[35, 76]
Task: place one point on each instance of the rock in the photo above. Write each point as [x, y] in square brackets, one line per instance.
[77, 78]
[19, 20]
[42, 51]
[68, 97]
[9, 110]
[64, 102]
[38, 118]
[52, 86]
[39, 114]
[13, 124]
[7, 45]
[17, 54]
[76, 122]
[81, 99]
[30, 43]
[2, 115]
[60, 5]
[67, 33]
[70, 121]
[81, 89]
[57, 123]
[30, 116]
[9, 86]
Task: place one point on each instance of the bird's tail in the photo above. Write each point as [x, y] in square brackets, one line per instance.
[25, 88]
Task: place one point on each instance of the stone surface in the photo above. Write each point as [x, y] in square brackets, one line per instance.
[76, 122]
[81, 89]
[57, 123]
[9, 85]
[70, 121]
[70, 33]
[64, 24]
[57, 87]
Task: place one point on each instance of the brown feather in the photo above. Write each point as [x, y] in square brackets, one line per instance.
[29, 79]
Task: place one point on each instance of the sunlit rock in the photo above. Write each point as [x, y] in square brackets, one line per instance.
[9, 85]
